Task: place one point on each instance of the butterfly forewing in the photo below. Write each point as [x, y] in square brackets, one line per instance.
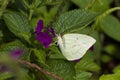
[76, 45]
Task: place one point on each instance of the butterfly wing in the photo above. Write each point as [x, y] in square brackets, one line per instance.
[74, 46]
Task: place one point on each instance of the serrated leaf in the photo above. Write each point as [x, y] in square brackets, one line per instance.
[111, 26]
[62, 68]
[87, 65]
[74, 20]
[41, 55]
[22, 5]
[18, 24]
[82, 75]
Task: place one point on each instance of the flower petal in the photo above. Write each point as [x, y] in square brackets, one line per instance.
[44, 38]
[52, 31]
[92, 48]
[77, 60]
[40, 26]
[4, 68]
[16, 53]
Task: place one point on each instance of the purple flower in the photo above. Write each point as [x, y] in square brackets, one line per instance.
[92, 48]
[16, 53]
[77, 60]
[52, 32]
[40, 26]
[43, 37]
[4, 68]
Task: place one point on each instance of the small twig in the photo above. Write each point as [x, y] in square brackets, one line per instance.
[40, 69]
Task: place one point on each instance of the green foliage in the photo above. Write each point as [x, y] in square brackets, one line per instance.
[74, 20]
[114, 76]
[41, 55]
[87, 65]
[62, 68]
[55, 53]
[18, 21]
[94, 5]
[9, 47]
[5, 76]
[111, 26]
[18, 24]
[82, 75]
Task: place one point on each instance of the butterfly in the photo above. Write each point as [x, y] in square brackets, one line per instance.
[73, 46]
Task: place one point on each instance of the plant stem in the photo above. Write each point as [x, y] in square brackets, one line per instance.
[40, 69]
[103, 15]
[3, 6]
[30, 14]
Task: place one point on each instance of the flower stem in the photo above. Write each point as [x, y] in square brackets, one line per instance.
[40, 69]
[31, 13]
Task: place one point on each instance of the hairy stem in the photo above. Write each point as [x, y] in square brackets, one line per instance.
[40, 69]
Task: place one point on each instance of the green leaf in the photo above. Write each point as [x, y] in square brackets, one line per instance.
[23, 74]
[110, 49]
[61, 68]
[9, 47]
[74, 20]
[101, 5]
[97, 45]
[115, 76]
[87, 65]
[106, 58]
[41, 55]
[82, 75]
[94, 5]
[55, 53]
[18, 24]
[82, 3]
[37, 2]
[5, 75]
[111, 26]
[116, 69]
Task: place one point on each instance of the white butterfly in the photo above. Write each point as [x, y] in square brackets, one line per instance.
[74, 46]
